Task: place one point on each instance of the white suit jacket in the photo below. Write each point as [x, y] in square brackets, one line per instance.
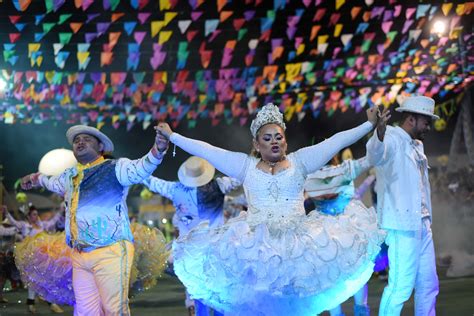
[398, 179]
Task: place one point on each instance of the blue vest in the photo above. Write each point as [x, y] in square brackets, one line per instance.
[102, 214]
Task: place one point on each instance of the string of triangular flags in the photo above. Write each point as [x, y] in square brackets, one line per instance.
[139, 66]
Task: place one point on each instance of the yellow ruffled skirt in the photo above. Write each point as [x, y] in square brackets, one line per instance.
[45, 265]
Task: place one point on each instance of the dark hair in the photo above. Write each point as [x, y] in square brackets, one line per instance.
[335, 160]
[31, 209]
[255, 153]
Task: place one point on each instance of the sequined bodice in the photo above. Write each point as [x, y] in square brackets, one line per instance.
[274, 196]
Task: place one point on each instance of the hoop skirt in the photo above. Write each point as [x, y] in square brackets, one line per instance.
[45, 265]
[275, 260]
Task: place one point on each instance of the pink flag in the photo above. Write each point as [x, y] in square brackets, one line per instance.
[139, 36]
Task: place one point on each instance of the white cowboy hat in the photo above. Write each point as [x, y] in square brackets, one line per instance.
[418, 104]
[195, 172]
[84, 129]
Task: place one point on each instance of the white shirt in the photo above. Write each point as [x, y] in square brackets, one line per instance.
[402, 183]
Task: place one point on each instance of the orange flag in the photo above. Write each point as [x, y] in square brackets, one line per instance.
[225, 15]
[75, 26]
[106, 58]
[221, 4]
[314, 31]
[116, 16]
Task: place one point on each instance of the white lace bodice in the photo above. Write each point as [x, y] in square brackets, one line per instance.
[274, 197]
[280, 194]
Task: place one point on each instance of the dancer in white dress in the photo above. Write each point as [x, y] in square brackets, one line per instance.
[273, 259]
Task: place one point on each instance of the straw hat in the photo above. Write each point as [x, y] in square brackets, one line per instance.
[418, 104]
[195, 172]
[84, 129]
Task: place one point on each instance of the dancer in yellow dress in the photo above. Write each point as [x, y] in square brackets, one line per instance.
[45, 263]
[28, 230]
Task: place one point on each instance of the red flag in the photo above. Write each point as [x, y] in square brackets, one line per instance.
[14, 37]
[14, 18]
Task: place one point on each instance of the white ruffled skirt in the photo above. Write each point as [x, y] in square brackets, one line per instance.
[299, 265]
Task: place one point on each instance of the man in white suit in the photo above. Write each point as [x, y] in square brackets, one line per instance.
[404, 207]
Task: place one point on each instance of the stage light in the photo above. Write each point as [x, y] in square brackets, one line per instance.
[56, 161]
[439, 28]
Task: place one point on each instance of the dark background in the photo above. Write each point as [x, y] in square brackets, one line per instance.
[22, 146]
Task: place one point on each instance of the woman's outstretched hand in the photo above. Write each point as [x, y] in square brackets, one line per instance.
[372, 115]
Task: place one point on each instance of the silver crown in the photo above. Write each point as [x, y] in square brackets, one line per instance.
[267, 115]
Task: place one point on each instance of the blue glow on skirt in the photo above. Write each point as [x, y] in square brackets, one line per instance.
[334, 206]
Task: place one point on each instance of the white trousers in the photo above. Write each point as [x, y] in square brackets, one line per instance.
[412, 267]
[101, 278]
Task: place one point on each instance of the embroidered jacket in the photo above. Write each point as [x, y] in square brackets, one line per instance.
[95, 196]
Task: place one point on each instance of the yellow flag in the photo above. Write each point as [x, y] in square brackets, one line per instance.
[71, 78]
[164, 37]
[39, 60]
[292, 71]
[339, 3]
[169, 16]
[282, 87]
[401, 74]
[82, 56]
[8, 118]
[165, 5]
[300, 49]
[416, 60]
[460, 9]
[455, 32]
[322, 39]
[289, 111]
[386, 102]
[49, 75]
[156, 27]
[302, 97]
[33, 47]
[32, 91]
[446, 8]
[65, 100]
[337, 30]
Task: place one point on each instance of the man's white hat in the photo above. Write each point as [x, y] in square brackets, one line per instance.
[89, 130]
[420, 105]
[195, 172]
